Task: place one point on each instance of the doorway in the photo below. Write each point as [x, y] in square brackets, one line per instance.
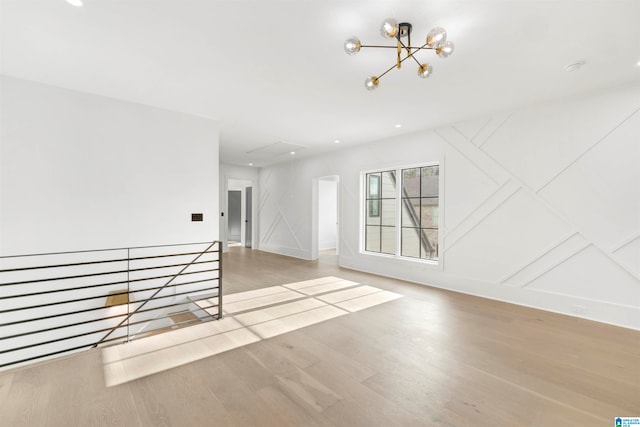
[234, 233]
[326, 233]
[240, 221]
[248, 216]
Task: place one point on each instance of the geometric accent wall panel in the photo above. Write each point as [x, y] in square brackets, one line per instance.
[549, 259]
[480, 130]
[590, 274]
[471, 128]
[515, 233]
[537, 143]
[466, 187]
[628, 254]
[600, 192]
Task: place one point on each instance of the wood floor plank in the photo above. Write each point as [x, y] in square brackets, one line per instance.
[292, 413]
[360, 405]
[6, 379]
[234, 391]
[27, 402]
[177, 398]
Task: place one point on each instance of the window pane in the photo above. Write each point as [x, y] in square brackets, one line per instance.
[389, 212]
[411, 182]
[373, 186]
[430, 177]
[389, 185]
[429, 213]
[430, 244]
[372, 239]
[411, 242]
[389, 240]
[411, 212]
[373, 212]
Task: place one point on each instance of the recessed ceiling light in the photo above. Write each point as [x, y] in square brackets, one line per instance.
[292, 153]
[337, 141]
[250, 164]
[638, 64]
[398, 125]
[76, 3]
[575, 66]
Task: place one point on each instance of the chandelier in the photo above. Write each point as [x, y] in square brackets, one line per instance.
[436, 40]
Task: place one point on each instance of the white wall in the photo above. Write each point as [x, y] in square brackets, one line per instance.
[79, 171]
[541, 206]
[245, 175]
[327, 213]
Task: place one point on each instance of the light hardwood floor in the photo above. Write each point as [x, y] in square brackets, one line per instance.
[430, 358]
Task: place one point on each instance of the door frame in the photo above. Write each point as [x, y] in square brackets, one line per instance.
[315, 212]
[254, 214]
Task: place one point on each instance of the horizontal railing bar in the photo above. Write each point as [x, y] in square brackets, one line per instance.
[184, 322]
[76, 264]
[102, 318]
[123, 282]
[164, 287]
[207, 308]
[99, 285]
[169, 296]
[106, 250]
[30, 307]
[152, 309]
[53, 291]
[173, 286]
[69, 313]
[104, 273]
[24, 347]
[51, 316]
[157, 318]
[54, 353]
[57, 352]
[67, 325]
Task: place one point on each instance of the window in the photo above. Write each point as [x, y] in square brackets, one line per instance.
[403, 219]
[381, 221]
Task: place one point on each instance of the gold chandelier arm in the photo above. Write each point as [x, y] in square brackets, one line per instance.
[423, 47]
[394, 66]
[399, 53]
[409, 52]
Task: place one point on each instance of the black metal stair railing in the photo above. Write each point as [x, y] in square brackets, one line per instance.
[55, 303]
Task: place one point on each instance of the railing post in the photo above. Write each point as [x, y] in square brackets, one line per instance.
[128, 293]
[219, 280]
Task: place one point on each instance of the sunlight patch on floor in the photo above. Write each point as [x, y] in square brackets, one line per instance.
[250, 317]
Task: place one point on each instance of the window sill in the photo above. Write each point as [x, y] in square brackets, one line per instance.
[436, 264]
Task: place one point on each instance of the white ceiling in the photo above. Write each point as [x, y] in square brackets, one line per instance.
[274, 73]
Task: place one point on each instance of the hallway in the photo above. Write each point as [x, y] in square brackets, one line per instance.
[430, 357]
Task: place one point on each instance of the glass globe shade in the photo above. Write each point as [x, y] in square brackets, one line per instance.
[436, 37]
[445, 49]
[352, 45]
[425, 70]
[389, 28]
[371, 83]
